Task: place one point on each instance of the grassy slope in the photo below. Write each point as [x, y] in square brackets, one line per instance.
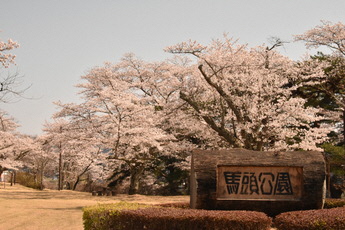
[29, 209]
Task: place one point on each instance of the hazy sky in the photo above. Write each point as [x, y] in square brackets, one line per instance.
[62, 39]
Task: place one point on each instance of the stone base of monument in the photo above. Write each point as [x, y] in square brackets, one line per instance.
[270, 182]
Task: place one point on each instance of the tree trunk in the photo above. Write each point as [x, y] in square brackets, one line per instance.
[88, 185]
[60, 171]
[80, 175]
[328, 177]
[76, 183]
[136, 173]
[68, 185]
[41, 178]
[12, 178]
[344, 126]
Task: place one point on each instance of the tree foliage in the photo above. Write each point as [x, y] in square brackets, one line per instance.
[124, 107]
[243, 95]
[141, 115]
[141, 119]
[75, 154]
[328, 92]
[332, 85]
[11, 83]
[7, 58]
[327, 34]
[13, 145]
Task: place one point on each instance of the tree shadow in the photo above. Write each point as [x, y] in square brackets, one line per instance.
[63, 209]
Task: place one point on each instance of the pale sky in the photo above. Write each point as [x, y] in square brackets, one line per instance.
[62, 39]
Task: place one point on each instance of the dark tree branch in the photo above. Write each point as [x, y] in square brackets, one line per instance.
[230, 138]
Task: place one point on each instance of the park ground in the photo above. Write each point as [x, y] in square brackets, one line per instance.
[29, 209]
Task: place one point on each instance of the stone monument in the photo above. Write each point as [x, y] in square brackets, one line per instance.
[270, 182]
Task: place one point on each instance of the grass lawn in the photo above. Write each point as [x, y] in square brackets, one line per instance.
[28, 209]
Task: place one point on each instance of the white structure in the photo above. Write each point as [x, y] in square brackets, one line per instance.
[3, 176]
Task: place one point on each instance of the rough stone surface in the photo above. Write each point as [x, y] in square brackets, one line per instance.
[204, 179]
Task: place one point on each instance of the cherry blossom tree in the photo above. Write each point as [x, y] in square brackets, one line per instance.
[328, 92]
[332, 36]
[10, 84]
[13, 146]
[40, 159]
[225, 95]
[126, 106]
[7, 141]
[327, 34]
[244, 95]
[75, 153]
[7, 58]
[234, 96]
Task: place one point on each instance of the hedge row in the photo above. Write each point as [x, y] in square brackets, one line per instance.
[324, 219]
[106, 216]
[177, 219]
[175, 205]
[177, 216]
[334, 203]
[124, 216]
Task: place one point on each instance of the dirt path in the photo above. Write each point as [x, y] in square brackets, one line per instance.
[28, 209]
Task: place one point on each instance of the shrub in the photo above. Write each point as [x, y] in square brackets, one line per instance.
[175, 205]
[135, 216]
[106, 216]
[193, 219]
[27, 179]
[322, 219]
[334, 203]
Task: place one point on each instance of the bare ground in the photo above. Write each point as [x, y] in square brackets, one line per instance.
[28, 209]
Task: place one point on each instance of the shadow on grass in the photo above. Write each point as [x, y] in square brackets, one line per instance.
[26, 195]
[63, 209]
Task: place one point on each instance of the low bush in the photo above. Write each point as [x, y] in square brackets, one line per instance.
[28, 180]
[334, 203]
[106, 216]
[124, 216]
[193, 219]
[322, 219]
[175, 205]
